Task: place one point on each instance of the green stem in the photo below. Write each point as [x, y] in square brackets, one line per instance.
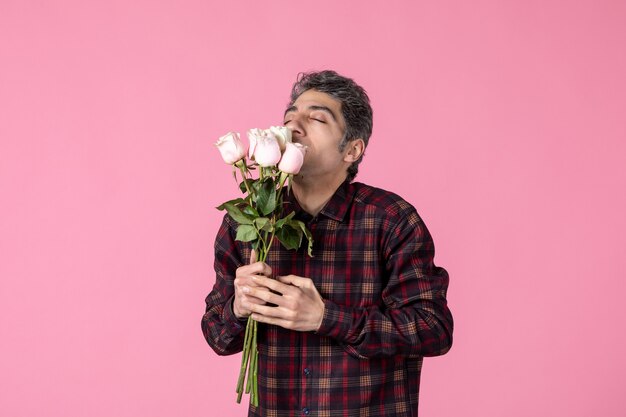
[244, 175]
[268, 246]
[253, 364]
[283, 179]
[245, 359]
[255, 381]
[264, 247]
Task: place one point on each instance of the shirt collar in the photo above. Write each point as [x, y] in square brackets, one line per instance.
[336, 208]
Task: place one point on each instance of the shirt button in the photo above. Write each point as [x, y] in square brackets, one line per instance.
[307, 371]
[306, 411]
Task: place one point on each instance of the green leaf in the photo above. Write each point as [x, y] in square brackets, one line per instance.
[246, 233]
[250, 211]
[290, 238]
[236, 201]
[266, 198]
[284, 220]
[262, 223]
[254, 185]
[307, 233]
[236, 214]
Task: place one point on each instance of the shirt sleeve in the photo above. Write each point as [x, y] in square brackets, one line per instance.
[413, 318]
[223, 331]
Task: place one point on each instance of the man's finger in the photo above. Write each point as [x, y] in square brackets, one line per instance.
[262, 294]
[252, 256]
[270, 283]
[270, 312]
[272, 320]
[293, 280]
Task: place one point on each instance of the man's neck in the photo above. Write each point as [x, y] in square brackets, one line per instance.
[314, 194]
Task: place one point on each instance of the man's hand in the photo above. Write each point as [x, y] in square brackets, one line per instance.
[299, 305]
[244, 279]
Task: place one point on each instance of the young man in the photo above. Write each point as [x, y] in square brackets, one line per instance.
[344, 332]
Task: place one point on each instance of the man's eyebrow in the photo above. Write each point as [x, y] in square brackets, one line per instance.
[324, 109]
[290, 109]
[313, 107]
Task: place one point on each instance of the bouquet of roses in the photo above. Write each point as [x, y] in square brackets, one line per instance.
[259, 213]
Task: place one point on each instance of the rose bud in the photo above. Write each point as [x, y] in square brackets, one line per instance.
[267, 151]
[282, 135]
[293, 158]
[253, 135]
[231, 148]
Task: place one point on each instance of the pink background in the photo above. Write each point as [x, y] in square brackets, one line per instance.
[503, 122]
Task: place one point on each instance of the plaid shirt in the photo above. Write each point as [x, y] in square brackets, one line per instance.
[385, 310]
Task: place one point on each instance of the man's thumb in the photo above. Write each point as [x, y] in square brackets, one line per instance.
[252, 256]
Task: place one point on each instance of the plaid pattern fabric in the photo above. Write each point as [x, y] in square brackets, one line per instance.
[385, 310]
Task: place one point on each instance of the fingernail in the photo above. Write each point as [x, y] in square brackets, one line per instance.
[245, 290]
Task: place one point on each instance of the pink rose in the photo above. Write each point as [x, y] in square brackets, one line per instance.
[282, 135]
[231, 148]
[293, 158]
[266, 150]
[253, 135]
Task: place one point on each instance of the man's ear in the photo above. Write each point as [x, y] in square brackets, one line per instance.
[354, 150]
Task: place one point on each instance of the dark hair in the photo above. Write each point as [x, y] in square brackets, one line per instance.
[355, 105]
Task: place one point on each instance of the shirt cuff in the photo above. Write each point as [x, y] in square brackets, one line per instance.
[336, 322]
[235, 324]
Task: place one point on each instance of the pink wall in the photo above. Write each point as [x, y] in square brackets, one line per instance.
[503, 122]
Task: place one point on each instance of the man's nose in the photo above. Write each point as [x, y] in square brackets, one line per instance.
[297, 127]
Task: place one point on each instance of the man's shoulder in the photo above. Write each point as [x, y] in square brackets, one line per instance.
[381, 200]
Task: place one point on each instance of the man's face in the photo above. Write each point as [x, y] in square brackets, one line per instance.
[317, 122]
